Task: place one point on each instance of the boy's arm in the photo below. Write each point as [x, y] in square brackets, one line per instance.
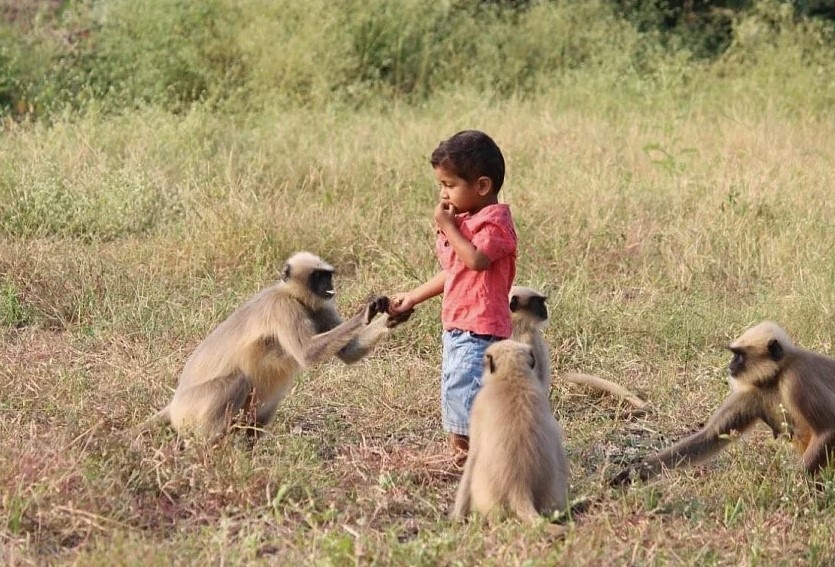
[404, 301]
[471, 256]
[467, 252]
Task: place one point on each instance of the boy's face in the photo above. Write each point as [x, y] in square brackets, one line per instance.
[465, 197]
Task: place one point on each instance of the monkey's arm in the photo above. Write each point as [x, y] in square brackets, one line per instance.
[360, 345]
[739, 411]
[309, 349]
[778, 423]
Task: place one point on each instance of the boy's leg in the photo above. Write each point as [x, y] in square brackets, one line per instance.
[460, 382]
[460, 446]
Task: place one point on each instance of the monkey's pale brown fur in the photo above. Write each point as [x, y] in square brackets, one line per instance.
[528, 314]
[242, 370]
[516, 462]
[792, 390]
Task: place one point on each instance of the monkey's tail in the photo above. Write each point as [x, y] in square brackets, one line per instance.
[161, 415]
[606, 386]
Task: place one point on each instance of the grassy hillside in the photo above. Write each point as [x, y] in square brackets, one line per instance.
[663, 207]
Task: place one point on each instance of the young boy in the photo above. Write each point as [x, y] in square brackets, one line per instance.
[476, 247]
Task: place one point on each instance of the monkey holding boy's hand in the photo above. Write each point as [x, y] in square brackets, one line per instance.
[376, 305]
[240, 373]
[400, 308]
[383, 304]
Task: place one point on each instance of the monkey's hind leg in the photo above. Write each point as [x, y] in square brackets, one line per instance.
[261, 414]
[522, 505]
[556, 497]
[520, 502]
[461, 509]
[210, 407]
[161, 415]
[820, 453]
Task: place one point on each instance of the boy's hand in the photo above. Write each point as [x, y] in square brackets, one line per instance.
[445, 214]
[400, 303]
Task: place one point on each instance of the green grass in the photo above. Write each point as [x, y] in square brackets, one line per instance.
[662, 214]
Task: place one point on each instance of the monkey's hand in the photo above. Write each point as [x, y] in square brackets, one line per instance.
[377, 304]
[624, 477]
[636, 469]
[399, 319]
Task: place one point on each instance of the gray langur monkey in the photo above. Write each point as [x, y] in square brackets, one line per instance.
[516, 461]
[529, 314]
[241, 371]
[791, 389]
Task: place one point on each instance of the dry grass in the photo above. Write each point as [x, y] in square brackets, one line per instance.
[658, 237]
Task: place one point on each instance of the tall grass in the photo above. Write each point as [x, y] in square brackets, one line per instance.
[663, 204]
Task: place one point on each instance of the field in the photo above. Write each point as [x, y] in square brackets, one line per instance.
[661, 221]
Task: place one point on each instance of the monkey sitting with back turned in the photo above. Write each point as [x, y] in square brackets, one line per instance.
[517, 462]
[242, 370]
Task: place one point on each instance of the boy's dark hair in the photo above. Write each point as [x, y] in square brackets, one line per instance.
[469, 154]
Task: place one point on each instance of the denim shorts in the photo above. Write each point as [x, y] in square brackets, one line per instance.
[461, 368]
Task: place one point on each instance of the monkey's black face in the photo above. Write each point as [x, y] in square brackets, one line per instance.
[321, 283]
[535, 306]
[745, 360]
[737, 364]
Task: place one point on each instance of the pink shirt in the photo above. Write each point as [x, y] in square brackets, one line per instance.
[474, 300]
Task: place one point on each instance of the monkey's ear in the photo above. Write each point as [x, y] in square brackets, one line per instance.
[514, 303]
[533, 360]
[489, 363]
[285, 273]
[775, 350]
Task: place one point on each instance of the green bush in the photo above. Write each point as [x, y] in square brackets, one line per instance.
[172, 52]
[775, 54]
[248, 55]
[26, 62]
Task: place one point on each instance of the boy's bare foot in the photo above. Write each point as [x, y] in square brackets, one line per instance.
[460, 445]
